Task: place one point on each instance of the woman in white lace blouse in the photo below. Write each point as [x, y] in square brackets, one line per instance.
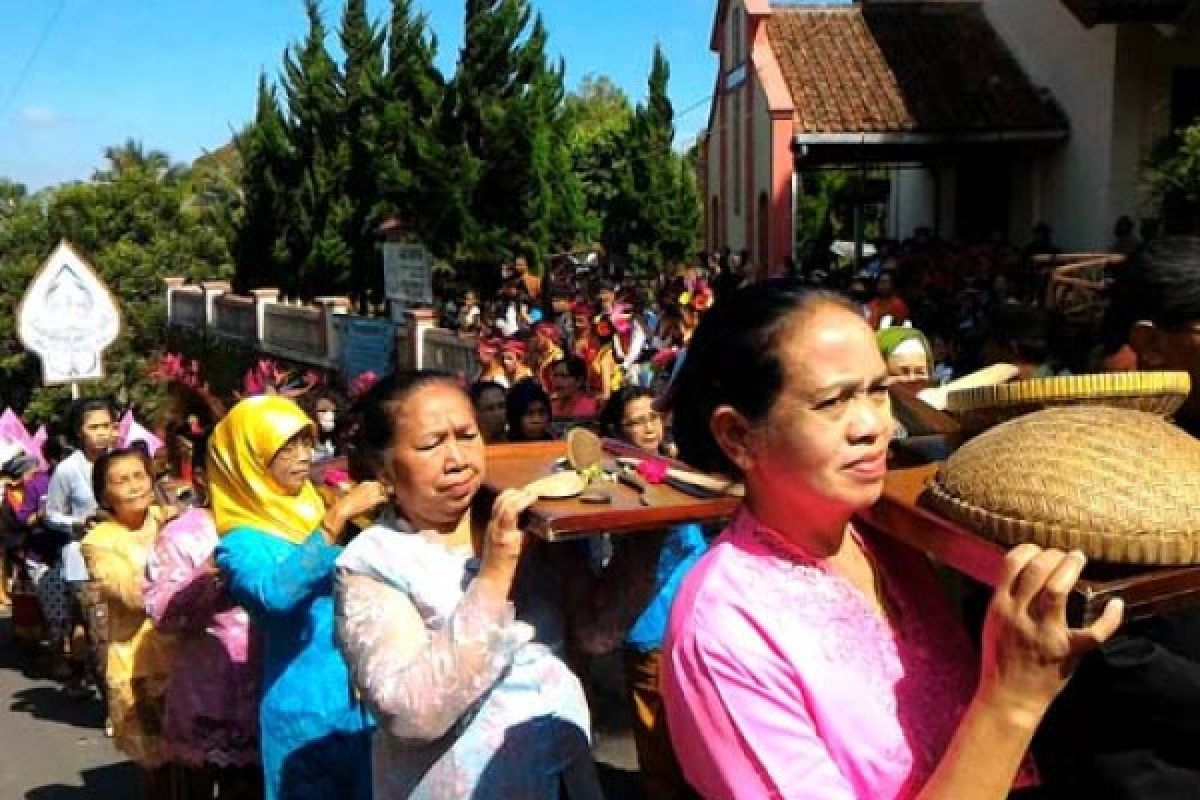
[470, 702]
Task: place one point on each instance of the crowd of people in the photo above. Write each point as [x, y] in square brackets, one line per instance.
[307, 601]
[584, 331]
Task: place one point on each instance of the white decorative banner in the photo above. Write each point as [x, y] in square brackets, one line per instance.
[69, 318]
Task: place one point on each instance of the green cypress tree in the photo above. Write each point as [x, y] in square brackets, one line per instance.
[420, 172]
[653, 215]
[259, 249]
[317, 253]
[355, 210]
[520, 194]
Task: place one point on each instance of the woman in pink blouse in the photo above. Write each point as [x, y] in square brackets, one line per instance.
[571, 398]
[211, 721]
[806, 657]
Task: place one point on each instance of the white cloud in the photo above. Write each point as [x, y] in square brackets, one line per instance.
[39, 116]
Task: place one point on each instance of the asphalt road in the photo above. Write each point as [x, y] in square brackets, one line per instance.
[53, 748]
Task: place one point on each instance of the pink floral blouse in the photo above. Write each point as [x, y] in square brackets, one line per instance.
[780, 680]
[212, 698]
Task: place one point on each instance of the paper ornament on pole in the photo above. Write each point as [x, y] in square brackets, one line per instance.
[69, 318]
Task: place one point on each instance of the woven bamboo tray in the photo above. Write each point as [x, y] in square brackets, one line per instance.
[903, 513]
[1122, 486]
[1159, 393]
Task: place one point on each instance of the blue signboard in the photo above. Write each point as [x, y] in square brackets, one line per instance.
[368, 345]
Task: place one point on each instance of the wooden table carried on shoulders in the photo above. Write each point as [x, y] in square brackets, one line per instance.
[1146, 591]
[511, 466]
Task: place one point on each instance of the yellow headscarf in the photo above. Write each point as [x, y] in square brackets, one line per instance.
[243, 493]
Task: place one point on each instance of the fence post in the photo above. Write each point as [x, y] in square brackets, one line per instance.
[173, 283]
[419, 320]
[331, 307]
[262, 298]
[212, 290]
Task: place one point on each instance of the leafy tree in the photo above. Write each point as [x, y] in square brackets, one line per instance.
[136, 220]
[654, 212]
[598, 115]
[356, 211]
[1172, 174]
[422, 170]
[820, 193]
[597, 108]
[260, 246]
[316, 251]
[520, 196]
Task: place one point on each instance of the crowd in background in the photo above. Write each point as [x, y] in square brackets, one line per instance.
[584, 330]
[298, 601]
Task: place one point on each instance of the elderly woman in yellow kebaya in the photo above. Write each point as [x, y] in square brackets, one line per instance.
[137, 659]
[277, 551]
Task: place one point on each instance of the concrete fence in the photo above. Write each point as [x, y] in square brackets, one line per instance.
[324, 334]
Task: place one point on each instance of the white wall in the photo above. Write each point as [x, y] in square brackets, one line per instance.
[911, 204]
[1077, 65]
[715, 143]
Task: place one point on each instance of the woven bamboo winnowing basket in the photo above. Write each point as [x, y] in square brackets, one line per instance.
[1123, 486]
[1159, 393]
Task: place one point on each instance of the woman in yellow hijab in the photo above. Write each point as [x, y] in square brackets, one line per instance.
[278, 546]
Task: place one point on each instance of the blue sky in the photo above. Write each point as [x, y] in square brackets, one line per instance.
[179, 75]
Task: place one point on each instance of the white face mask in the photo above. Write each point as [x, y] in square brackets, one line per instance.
[326, 420]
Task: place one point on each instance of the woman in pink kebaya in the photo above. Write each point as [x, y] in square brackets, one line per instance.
[806, 656]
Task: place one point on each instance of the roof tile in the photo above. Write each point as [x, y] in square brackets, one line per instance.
[903, 67]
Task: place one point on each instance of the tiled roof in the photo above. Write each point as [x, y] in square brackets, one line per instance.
[935, 68]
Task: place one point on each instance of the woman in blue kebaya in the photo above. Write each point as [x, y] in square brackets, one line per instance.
[632, 599]
[277, 550]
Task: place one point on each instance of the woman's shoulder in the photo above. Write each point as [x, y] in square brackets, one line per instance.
[192, 519]
[400, 559]
[244, 538]
[721, 583]
[104, 534]
[741, 587]
[193, 525]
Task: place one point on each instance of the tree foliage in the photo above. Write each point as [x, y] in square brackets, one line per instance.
[654, 214]
[1172, 175]
[421, 169]
[506, 108]
[141, 217]
[598, 116]
[495, 162]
